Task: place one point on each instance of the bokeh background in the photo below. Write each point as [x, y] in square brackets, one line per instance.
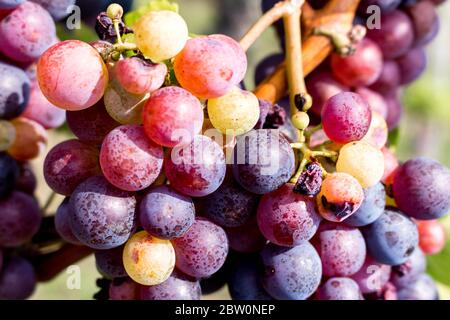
[424, 129]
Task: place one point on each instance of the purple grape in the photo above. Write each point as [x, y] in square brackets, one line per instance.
[267, 66]
[9, 172]
[177, 287]
[110, 262]
[197, 169]
[310, 180]
[395, 110]
[57, 8]
[342, 249]
[384, 5]
[372, 276]
[371, 208]
[244, 280]
[412, 65]
[202, 250]
[339, 289]
[392, 238]
[123, 289]
[263, 161]
[102, 216]
[291, 273]
[1, 260]
[27, 32]
[166, 213]
[396, 35]
[70, 163]
[26, 182]
[421, 189]
[20, 219]
[287, 218]
[91, 125]
[346, 117]
[425, 21]
[10, 4]
[62, 223]
[389, 79]
[17, 279]
[409, 271]
[14, 91]
[247, 238]
[424, 288]
[230, 205]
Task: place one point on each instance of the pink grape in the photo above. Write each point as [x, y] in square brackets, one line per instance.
[346, 117]
[202, 250]
[26, 32]
[72, 75]
[287, 218]
[322, 86]
[70, 163]
[342, 249]
[197, 169]
[372, 276]
[172, 116]
[177, 287]
[360, 69]
[129, 159]
[375, 100]
[209, 67]
[396, 35]
[139, 76]
[395, 110]
[389, 79]
[91, 125]
[42, 111]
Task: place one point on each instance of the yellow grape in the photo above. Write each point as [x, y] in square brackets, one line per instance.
[235, 113]
[161, 35]
[362, 161]
[148, 260]
[7, 134]
[122, 106]
[377, 135]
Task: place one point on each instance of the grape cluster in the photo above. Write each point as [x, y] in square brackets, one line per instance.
[177, 178]
[27, 29]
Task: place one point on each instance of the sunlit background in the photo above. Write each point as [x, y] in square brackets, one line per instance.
[424, 129]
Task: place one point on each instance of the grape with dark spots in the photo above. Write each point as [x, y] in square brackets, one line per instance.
[62, 223]
[177, 287]
[339, 289]
[407, 272]
[310, 180]
[371, 208]
[14, 91]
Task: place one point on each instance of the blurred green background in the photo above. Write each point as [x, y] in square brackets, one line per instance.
[424, 129]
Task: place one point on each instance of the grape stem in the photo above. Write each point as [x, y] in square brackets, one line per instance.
[311, 156]
[49, 202]
[277, 12]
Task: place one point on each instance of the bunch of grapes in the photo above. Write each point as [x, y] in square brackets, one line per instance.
[180, 179]
[27, 29]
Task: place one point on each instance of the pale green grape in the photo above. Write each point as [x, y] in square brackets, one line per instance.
[122, 106]
[7, 135]
[161, 35]
[148, 260]
[235, 113]
[362, 161]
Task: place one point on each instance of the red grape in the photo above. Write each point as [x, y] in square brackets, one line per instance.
[432, 236]
[389, 79]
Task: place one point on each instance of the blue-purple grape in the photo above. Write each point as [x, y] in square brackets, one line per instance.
[17, 279]
[412, 65]
[291, 273]
[166, 213]
[20, 219]
[424, 288]
[177, 287]
[267, 66]
[263, 161]
[9, 4]
[102, 216]
[9, 173]
[230, 205]
[57, 8]
[409, 271]
[62, 223]
[110, 262]
[392, 238]
[371, 208]
[14, 91]
[244, 280]
[339, 289]
[421, 189]
[26, 182]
